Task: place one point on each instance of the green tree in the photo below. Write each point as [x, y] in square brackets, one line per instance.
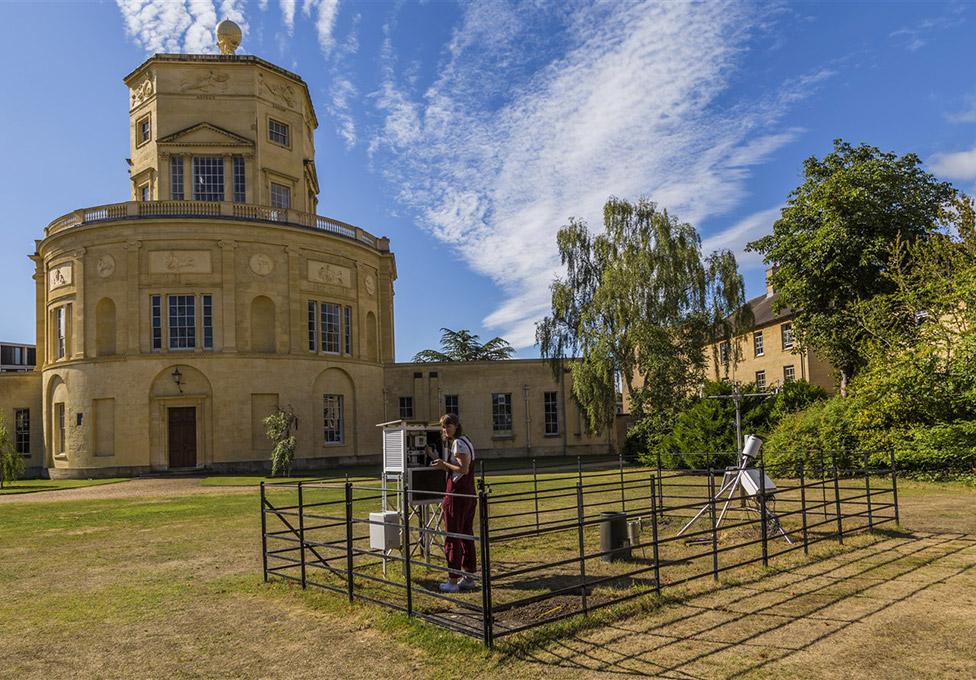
[639, 303]
[463, 345]
[11, 463]
[278, 427]
[834, 240]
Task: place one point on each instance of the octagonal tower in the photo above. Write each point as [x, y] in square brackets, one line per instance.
[171, 324]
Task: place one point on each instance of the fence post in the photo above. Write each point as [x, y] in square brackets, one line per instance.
[823, 484]
[840, 521]
[582, 549]
[654, 546]
[487, 615]
[535, 495]
[762, 513]
[867, 491]
[264, 536]
[405, 541]
[579, 470]
[803, 507]
[481, 466]
[623, 497]
[894, 486]
[660, 483]
[711, 514]
[349, 583]
[301, 531]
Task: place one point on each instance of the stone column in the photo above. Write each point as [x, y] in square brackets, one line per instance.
[40, 311]
[228, 178]
[228, 295]
[297, 339]
[132, 320]
[78, 333]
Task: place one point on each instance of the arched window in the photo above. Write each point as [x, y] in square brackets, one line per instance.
[105, 327]
[262, 324]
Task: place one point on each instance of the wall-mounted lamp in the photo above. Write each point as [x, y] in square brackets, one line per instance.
[178, 379]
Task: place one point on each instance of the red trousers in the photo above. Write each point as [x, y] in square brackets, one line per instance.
[459, 518]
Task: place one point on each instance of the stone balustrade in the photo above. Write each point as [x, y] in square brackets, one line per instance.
[208, 209]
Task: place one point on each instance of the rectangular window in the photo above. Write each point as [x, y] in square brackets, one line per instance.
[332, 418]
[347, 329]
[311, 325]
[22, 431]
[280, 196]
[330, 327]
[145, 130]
[157, 323]
[207, 314]
[240, 184]
[452, 404]
[60, 332]
[787, 331]
[501, 413]
[761, 381]
[724, 351]
[757, 343]
[406, 408]
[208, 178]
[789, 374]
[182, 322]
[59, 419]
[278, 132]
[176, 178]
[551, 410]
[144, 192]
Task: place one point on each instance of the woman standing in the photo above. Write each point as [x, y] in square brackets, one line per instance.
[458, 510]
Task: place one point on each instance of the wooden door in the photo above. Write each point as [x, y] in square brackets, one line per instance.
[182, 437]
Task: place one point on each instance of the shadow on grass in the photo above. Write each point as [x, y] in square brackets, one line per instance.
[688, 639]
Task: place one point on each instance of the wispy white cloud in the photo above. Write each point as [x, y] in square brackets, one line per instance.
[525, 128]
[967, 114]
[959, 165]
[288, 14]
[741, 233]
[178, 25]
[325, 18]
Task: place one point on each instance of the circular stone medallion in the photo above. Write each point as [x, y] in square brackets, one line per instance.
[105, 266]
[261, 264]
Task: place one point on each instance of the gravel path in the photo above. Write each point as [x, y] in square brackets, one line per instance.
[132, 488]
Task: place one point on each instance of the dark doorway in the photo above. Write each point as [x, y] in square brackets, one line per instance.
[182, 437]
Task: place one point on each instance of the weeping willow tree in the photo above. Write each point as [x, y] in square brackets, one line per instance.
[641, 303]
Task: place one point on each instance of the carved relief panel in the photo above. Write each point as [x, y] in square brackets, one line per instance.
[180, 262]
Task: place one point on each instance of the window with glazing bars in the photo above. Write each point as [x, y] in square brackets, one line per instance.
[452, 404]
[501, 412]
[280, 196]
[176, 178]
[723, 351]
[347, 329]
[330, 327]
[207, 319]
[278, 132]
[59, 415]
[240, 184]
[789, 374]
[60, 331]
[761, 381]
[182, 322]
[550, 405]
[406, 408]
[787, 331]
[311, 325]
[157, 322]
[332, 418]
[208, 178]
[757, 343]
[22, 431]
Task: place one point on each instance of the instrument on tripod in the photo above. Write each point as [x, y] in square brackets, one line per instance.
[744, 483]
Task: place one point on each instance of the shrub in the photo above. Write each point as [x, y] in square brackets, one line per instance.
[823, 428]
[278, 427]
[11, 463]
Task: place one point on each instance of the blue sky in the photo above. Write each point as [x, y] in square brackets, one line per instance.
[469, 133]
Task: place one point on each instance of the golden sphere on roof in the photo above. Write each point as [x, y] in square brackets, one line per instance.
[228, 36]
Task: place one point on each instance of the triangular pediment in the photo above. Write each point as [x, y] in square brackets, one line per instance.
[205, 134]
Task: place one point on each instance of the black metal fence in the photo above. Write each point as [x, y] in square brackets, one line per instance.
[546, 536]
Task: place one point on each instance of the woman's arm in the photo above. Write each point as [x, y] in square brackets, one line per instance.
[464, 460]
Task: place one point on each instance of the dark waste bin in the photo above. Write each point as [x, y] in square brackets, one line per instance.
[613, 536]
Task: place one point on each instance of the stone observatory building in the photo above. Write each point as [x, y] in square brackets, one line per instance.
[169, 325]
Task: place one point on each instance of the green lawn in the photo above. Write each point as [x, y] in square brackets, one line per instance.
[35, 485]
[171, 587]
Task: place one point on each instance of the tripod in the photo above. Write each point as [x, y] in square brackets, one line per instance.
[745, 483]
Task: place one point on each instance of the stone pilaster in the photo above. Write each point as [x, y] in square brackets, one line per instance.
[134, 321]
[228, 296]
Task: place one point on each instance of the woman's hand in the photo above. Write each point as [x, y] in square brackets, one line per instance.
[439, 464]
